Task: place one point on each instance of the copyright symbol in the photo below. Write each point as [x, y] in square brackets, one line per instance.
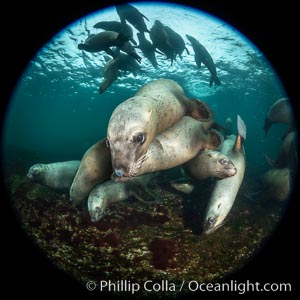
[91, 285]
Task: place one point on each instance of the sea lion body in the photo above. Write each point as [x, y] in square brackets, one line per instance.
[210, 163]
[111, 191]
[131, 14]
[225, 190]
[203, 56]
[280, 112]
[57, 176]
[117, 27]
[95, 167]
[104, 40]
[137, 121]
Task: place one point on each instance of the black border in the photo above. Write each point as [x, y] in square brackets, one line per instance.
[27, 25]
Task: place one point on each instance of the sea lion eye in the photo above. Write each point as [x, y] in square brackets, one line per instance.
[107, 143]
[139, 138]
[223, 161]
[97, 209]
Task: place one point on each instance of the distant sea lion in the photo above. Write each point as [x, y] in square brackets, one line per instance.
[110, 191]
[137, 121]
[277, 184]
[202, 56]
[133, 16]
[175, 146]
[280, 112]
[95, 167]
[225, 190]
[117, 27]
[210, 163]
[57, 176]
[106, 39]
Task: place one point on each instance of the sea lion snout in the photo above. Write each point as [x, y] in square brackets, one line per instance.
[209, 225]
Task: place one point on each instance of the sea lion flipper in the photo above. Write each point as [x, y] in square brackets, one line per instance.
[200, 111]
[144, 195]
[241, 136]
[241, 127]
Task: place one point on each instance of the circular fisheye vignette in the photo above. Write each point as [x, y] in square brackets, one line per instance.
[143, 250]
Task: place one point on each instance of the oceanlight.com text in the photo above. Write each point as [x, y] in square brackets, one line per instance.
[128, 286]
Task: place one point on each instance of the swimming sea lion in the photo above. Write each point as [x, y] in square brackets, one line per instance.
[175, 146]
[210, 163]
[137, 121]
[225, 190]
[202, 56]
[95, 167]
[133, 16]
[106, 39]
[280, 112]
[117, 27]
[110, 191]
[57, 176]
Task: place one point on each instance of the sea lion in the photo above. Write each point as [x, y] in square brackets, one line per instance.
[210, 163]
[110, 191]
[175, 146]
[95, 167]
[106, 39]
[225, 190]
[133, 16]
[148, 49]
[277, 184]
[117, 27]
[202, 56]
[57, 176]
[137, 121]
[280, 112]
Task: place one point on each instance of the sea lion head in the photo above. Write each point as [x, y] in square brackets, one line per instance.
[97, 207]
[214, 219]
[36, 172]
[219, 164]
[129, 135]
